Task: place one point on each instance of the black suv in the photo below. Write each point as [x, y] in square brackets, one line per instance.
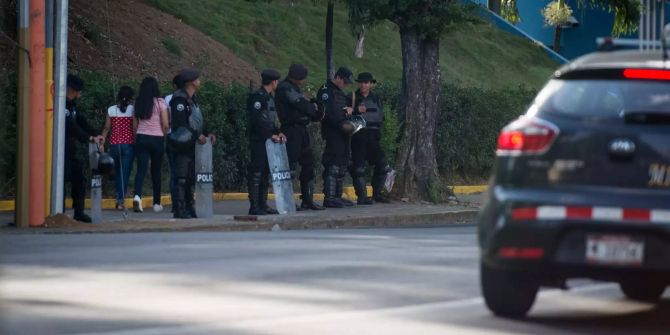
[581, 187]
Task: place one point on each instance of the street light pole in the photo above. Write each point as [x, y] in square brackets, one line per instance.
[57, 167]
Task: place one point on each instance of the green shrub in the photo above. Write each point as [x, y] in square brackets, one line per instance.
[172, 46]
[469, 122]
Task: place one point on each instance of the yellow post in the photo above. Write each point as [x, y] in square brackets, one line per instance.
[49, 127]
[49, 103]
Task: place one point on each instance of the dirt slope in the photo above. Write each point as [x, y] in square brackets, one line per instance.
[145, 41]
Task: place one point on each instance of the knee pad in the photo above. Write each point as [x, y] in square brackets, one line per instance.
[182, 181]
[358, 172]
[342, 172]
[332, 170]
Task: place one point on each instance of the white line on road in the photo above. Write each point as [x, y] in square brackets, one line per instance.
[208, 328]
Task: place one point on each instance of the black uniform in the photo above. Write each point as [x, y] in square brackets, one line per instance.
[366, 147]
[263, 124]
[336, 154]
[185, 112]
[76, 130]
[295, 113]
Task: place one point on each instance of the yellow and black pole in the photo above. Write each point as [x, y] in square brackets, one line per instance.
[49, 87]
[23, 117]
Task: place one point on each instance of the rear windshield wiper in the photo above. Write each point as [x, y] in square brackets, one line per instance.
[646, 117]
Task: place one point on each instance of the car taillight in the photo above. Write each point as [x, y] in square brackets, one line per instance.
[526, 136]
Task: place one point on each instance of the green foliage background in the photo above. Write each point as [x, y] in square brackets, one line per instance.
[470, 119]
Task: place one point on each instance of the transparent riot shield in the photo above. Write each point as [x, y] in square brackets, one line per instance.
[280, 173]
[204, 180]
[96, 184]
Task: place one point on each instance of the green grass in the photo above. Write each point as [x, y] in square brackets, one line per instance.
[277, 33]
[172, 46]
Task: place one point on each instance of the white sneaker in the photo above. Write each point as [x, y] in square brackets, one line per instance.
[158, 208]
[137, 204]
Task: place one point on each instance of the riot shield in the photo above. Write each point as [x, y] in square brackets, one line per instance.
[204, 180]
[282, 185]
[96, 184]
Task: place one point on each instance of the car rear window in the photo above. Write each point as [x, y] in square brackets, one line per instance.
[602, 98]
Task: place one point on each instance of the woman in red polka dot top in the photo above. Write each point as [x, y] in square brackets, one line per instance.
[119, 126]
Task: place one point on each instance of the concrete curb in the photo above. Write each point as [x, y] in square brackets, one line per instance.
[9, 205]
[225, 223]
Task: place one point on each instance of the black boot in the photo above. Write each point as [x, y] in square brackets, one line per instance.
[377, 185]
[331, 199]
[358, 178]
[263, 197]
[307, 190]
[82, 217]
[189, 202]
[254, 187]
[179, 201]
[339, 191]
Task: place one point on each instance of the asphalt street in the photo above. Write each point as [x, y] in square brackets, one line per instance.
[365, 281]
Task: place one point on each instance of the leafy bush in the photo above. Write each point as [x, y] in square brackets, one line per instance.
[469, 122]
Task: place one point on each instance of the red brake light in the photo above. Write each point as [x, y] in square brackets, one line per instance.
[526, 136]
[652, 74]
[520, 253]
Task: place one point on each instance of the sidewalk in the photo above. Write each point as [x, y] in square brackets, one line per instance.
[397, 214]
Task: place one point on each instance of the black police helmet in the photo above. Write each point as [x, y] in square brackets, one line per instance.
[105, 164]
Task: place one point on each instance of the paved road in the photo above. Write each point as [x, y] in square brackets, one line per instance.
[394, 281]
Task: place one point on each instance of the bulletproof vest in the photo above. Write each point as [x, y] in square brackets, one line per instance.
[327, 95]
[264, 104]
[287, 95]
[195, 118]
[374, 116]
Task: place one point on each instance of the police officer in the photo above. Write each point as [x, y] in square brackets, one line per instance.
[186, 119]
[335, 130]
[295, 113]
[76, 130]
[365, 144]
[263, 125]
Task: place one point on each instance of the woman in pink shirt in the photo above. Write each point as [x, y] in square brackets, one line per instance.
[119, 126]
[151, 124]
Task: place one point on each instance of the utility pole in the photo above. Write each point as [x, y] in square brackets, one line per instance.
[49, 90]
[37, 142]
[57, 167]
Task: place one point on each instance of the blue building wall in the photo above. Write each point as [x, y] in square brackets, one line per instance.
[575, 41]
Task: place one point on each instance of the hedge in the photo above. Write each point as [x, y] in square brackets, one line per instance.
[469, 121]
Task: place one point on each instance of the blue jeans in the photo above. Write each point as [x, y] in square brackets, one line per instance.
[123, 159]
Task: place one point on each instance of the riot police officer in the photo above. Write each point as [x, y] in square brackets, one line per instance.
[187, 127]
[76, 130]
[295, 113]
[365, 144]
[263, 125]
[335, 130]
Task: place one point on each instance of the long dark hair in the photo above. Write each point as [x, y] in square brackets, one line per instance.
[144, 105]
[124, 98]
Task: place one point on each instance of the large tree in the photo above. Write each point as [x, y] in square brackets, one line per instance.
[421, 24]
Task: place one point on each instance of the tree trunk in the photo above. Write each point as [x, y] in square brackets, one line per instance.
[494, 6]
[330, 68]
[557, 39]
[360, 43]
[416, 162]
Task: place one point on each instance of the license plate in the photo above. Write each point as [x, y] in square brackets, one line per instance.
[614, 250]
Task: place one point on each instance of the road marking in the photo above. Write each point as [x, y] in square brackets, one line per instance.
[208, 328]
